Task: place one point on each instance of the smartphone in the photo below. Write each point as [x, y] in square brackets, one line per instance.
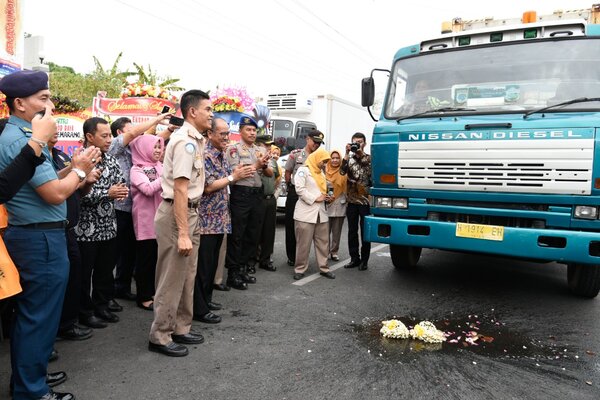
[165, 109]
[176, 121]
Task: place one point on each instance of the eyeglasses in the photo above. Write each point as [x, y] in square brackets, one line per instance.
[223, 134]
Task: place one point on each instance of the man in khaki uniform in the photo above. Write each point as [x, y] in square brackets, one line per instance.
[175, 222]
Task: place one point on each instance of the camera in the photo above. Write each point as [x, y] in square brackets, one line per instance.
[354, 147]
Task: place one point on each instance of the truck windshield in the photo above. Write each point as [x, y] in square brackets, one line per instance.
[500, 78]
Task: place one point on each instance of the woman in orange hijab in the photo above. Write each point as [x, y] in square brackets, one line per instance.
[337, 209]
[310, 216]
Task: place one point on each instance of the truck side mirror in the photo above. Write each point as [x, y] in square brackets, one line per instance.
[368, 92]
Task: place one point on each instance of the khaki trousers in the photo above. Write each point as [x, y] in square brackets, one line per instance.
[175, 277]
[221, 265]
[335, 233]
[305, 234]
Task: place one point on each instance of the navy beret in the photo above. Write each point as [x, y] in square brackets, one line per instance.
[23, 83]
[248, 121]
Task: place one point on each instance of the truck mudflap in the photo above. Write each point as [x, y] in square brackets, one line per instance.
[564, 246]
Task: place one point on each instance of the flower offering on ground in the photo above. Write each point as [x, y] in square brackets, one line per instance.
[394, 329]
[427, 332]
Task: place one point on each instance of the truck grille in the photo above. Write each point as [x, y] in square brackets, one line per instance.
[558, 166]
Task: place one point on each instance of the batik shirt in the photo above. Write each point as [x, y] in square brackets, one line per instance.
[358, 171]
[213, 211]
[98, 220]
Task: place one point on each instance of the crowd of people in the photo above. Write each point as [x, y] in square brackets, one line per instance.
[173, 208]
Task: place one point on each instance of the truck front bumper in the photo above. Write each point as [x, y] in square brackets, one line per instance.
[564, 246]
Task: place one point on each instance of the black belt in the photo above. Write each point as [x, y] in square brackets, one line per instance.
[45, 225]
[269, 196]
[246, 189]
[190, 204]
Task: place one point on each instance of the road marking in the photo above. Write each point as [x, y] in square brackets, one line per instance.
[338, 265]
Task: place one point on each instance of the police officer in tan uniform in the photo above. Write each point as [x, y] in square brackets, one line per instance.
[295, 160]
[175, 222]
[245, 203]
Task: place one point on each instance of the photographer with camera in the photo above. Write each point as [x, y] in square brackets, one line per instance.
[357, 166]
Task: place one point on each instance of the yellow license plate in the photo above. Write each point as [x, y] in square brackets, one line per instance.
[477, 231]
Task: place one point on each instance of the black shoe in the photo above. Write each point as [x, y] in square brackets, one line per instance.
[298, 276]
[208, 318]
[172, 349]
[188, 338]
[92, 322]
[268, 267]
[57, 396]
[75, 332]
[114, 306]
[328, 274]
[125, 296]
[53, 356]
[363, 266]
[237, 283]
[221, 286]
[55, 378]
[106, 316]
[353, 264]
[251, 270]
[147, 308]
[214, 306]
[290, 263]
[247, 278]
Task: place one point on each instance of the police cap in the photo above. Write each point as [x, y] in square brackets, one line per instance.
[266, 139]
[317, 136]
[248, 121]
[23, 83]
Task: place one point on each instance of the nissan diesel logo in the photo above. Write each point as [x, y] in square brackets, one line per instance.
[496, 135]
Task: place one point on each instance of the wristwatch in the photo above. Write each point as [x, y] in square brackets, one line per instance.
[79, 173]
[230, 178]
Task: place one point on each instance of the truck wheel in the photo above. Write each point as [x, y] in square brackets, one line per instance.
[584, 279]
[405, 257]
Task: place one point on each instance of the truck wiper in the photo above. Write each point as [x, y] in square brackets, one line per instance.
[564, 103]
[436, 110]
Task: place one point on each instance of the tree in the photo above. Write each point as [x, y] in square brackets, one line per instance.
[151, 78]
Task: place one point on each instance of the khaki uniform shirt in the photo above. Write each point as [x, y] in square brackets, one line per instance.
[295, 160]
[307, 209]
[240, 153]
[184, 158]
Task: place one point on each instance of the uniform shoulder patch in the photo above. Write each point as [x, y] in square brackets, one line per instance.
[190, 148]
[26, 129]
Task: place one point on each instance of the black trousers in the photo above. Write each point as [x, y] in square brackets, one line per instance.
[70, 309]
[356, 214]
[145, 270]
[246, 219]
[208, 259]
[97, 263]
[290, 233]
[126, 251]
[267, 234]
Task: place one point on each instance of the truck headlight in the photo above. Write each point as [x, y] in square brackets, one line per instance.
[586, 212]
[401, 202]
[383, 202]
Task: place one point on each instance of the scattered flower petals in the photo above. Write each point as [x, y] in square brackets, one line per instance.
[589, 382]
[590, 353]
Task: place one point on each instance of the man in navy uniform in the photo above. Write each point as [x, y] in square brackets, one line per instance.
[35, 237]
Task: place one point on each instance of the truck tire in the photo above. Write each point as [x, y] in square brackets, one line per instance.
[584, 279]
[405, 257]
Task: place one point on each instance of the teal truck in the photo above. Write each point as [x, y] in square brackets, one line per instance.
[488, 141]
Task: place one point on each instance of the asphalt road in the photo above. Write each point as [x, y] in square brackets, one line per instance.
[318, 338]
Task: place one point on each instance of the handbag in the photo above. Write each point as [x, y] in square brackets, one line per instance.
[9, 276]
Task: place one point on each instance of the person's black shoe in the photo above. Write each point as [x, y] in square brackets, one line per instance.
[106, 316]
[53, 356]
[114, 306]
[188, 338]
[208, 318]
[237, 283]
[55, 378]
[93, 322]
[214, 306]
[51, 395]
[221, 286]
[353, 264]
[363, 266]
[328, 274]
[251, 269]
[268, 267]
[75, 332]
[149, 307]
[298, 276]
[125, 296]
[171, 349]
[247, 278]
[291, 263]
